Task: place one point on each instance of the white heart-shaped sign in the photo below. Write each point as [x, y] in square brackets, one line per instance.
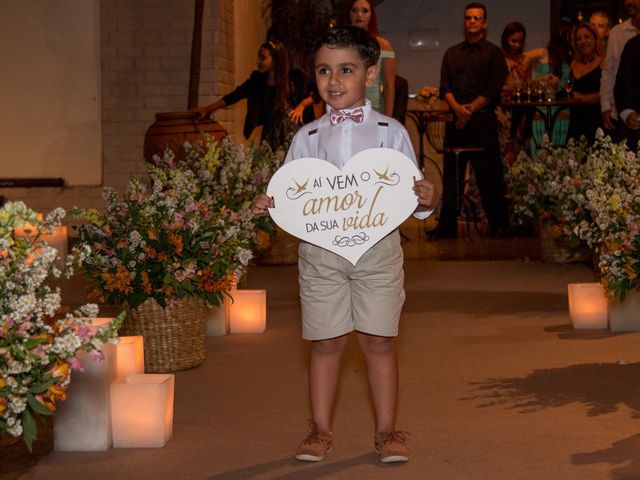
[345, 211]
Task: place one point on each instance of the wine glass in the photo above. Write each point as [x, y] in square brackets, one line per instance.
[568, 86]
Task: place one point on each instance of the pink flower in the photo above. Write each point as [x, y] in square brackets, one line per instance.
[76, 365]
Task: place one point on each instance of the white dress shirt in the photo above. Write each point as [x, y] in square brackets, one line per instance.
[618, 37]
[338, 143]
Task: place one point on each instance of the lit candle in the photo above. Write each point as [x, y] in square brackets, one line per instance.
[129, 355]
[248, 311]
[587, 305]
[142, 410]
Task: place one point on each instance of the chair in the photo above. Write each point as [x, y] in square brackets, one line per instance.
[435, 136]
[401, 99]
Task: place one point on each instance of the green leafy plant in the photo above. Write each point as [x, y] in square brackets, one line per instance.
[37, 344]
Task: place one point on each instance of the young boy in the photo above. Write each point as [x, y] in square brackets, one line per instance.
[337, 297]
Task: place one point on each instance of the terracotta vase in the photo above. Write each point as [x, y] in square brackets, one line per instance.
[172, 129]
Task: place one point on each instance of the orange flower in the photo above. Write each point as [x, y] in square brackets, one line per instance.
[60, 371]
[176, 241]
[146, 283]
[163, 256]
[120, 281]
[51, 396]
[153, 234]
[3, 405]
[150, 251]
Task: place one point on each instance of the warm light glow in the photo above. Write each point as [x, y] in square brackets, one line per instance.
[129, 355]
[248, 311]
[57, 240]
[142, 410]
[587, 305]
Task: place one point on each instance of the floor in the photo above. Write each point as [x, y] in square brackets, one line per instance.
[495, 384]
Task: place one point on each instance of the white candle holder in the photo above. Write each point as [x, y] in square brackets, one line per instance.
[129, 355]
[248, 311]
[142, 410]
[83, 421]
[217, 321]
[587, 306]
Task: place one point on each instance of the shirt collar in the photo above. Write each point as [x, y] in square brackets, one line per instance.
[476, 45]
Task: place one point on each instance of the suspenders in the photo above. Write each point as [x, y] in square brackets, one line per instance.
[383, 138]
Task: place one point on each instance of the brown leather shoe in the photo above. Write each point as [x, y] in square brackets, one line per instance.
[315, 446]
[392, 447]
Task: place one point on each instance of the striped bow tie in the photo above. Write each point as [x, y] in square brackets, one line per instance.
[336, 117]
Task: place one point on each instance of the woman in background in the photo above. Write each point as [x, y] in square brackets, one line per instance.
[550, 70]
[268, 92]
[511, 124]
[382, 94]
[513, 39]
[585, 74]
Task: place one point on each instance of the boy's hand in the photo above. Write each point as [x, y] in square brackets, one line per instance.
[261, 204]
[426, 192]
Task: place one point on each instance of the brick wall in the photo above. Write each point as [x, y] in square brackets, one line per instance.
[145, 57]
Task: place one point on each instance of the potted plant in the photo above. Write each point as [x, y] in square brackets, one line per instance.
[167, 247]
[231, 175]
[37, 344]
[538, 189]
[603, 211]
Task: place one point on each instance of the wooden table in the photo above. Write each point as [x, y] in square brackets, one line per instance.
[549, 113]
[421, 117]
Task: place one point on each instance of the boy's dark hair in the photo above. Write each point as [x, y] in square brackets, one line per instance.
[477, 5]
[350, 36]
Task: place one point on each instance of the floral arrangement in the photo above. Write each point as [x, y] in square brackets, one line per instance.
[187, 231]
[603, 210]
[428, 95]
[592, 194]
[231, 175]
[37, 347]
[538, 186]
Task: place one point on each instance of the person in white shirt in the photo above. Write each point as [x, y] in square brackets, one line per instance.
[627, 91]
[336, 296]
[618, 37]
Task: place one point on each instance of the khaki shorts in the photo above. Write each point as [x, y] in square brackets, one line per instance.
[338, 298]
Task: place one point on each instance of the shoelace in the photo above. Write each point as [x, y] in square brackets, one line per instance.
[398, 436]
[316, 436]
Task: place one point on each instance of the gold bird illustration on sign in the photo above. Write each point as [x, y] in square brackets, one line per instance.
[301, 188]
[384, 175]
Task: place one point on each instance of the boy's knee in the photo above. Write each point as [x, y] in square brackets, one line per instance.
[332, 346]
[376, 345]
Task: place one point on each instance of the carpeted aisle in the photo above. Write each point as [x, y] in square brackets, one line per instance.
[494, 385]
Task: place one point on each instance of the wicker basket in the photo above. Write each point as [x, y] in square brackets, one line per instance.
[283, 249]
[173, 336]
[555, 249]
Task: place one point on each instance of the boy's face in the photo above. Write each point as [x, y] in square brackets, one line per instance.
[342, 77]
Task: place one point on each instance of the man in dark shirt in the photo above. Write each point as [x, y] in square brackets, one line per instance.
[627, 91]
[472, 75]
